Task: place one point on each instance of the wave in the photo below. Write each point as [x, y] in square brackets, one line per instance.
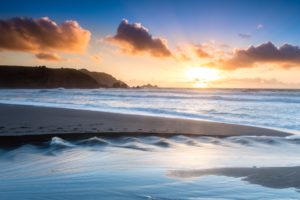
[94, 141]
[153, 143]
[265, 108]
[60, 143]
[259, 96]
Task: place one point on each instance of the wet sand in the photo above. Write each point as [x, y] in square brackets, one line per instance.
[41, 123]
[150, 167]
[273, 177]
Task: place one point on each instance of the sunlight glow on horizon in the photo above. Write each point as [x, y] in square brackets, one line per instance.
[201, 76]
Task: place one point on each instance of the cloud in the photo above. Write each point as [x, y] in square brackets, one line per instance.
[48, 56]
[244, 35]
[135, 38]
[211, 50]
[184, 57]
[259, 26]
[201, 53]
[97, 58]
[285, 56]
[42, 35]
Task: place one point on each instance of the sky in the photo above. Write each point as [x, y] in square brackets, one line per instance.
[227, 44]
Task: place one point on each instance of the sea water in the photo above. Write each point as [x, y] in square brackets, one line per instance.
[278, 109]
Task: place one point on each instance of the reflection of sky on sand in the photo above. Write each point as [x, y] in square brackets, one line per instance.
[274, 177]
[137, 167]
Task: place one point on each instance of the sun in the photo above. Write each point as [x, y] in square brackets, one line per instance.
[201, 76]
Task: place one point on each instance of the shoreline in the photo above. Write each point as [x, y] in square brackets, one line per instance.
[288, 131]
[29, 123]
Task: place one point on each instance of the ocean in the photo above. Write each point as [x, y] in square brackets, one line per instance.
[157, 168]
[276, 109]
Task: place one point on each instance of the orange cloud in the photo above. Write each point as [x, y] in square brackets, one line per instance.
[96, 58]
[285, 56]
[48, 56]
[42, 35]
[210, 50]
[184, 57]
[201, 53]
[135, 38]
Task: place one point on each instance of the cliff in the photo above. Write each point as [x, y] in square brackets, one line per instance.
[105, 80]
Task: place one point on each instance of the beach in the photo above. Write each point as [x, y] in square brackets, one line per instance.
[80, 144]
[152, 167]
[43, 123]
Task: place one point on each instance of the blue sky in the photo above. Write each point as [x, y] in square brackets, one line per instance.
[195, 21]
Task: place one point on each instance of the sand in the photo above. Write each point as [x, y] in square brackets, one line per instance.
[273, 177]
[45, 122]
